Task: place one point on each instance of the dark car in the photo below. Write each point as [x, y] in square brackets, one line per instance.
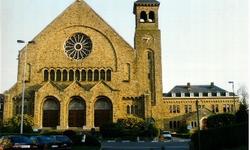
[45, 142]
[11, 142]
[52, 142]
[65, 142]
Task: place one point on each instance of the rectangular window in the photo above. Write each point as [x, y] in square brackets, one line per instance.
[213, 108]
[170, 109]
[186, 108]
[178, 109]
[174, 109]
[126, 72]
[216, 108]
[190, 108]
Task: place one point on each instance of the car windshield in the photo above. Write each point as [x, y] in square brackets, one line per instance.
[20, 139]
[166, 132]
[45, 138]
[62, 138]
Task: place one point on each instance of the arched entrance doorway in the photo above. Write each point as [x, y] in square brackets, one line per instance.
[77, 112]
[51, 112]
[103, 111]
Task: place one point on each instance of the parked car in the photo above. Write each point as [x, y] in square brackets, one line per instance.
[65, 142]
[45, 142]
[166, 135]
[12, 142]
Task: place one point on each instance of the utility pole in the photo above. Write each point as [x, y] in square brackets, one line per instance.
[23, 82]
[232, 82]
[198, 121]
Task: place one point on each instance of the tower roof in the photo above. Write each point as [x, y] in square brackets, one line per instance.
[147, 3]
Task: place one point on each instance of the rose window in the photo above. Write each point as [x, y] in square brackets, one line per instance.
[78, 46]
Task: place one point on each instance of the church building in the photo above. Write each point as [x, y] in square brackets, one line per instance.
[80, 73]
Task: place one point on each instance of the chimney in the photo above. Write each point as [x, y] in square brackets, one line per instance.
[188, 85]
[212, 83]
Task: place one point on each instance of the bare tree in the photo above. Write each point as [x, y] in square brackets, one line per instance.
[243, 94]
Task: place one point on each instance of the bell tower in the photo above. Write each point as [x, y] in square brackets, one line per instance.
[148, 49]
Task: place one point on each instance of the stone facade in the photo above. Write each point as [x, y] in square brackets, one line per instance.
[79, 67]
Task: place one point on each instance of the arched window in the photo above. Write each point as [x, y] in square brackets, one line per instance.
[151, 16]
[102, 75]
[51, 112]
[132, 109]
[174, 124]
[77, 112]
[128, 109]
[143, 16]
[103, 111]
[65, 75]
[90, 74]
[71, 75]
[96, 75]
[52, 75]
[46, 75]
[108, 75]
[77, 75]
[178, 124]
[83, 75]
[170, 125]
[58, 75]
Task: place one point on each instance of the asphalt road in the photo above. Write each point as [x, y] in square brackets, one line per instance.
[176, 144]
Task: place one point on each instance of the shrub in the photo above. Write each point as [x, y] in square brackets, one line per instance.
[14, 123]
[129, 128]
[220, 120]
[241, 115]
[219, 138]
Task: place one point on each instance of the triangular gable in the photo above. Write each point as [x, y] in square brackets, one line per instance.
[102, 86]
[80, 13]
[74, 86]
[50, 86]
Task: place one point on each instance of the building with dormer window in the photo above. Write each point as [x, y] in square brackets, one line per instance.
[80, 73]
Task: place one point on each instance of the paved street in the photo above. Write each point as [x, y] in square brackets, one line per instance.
[176, 144]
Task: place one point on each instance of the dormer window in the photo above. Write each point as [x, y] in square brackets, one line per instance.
[205, 94]
[178, 94]
[214, 94]
[196, 94]
[187, 94]
[223, 94]
[143, 16]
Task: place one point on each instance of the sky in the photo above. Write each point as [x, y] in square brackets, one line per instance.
[202, 41]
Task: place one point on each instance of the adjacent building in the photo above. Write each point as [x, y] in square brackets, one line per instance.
[80, 73]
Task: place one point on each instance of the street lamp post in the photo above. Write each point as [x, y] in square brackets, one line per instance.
[23, 82]
[232, 82]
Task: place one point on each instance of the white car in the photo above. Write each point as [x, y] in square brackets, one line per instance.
[167, 135]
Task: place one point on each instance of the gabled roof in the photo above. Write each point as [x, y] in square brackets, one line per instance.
[197, 89]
